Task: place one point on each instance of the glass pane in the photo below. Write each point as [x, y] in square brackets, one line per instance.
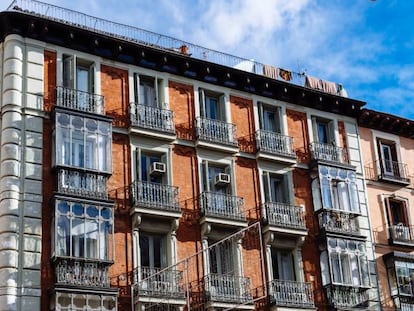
[63, 207]
[336, 268]
[77, 209]
[91, 238]
[63, 236]
[144, 250]
[92, 211]
[64, 300]
[79, 301]
[78, 231]
[106, 213]
[94, 302]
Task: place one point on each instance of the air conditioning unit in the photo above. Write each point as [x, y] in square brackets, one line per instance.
[157, 169]
[222, 179]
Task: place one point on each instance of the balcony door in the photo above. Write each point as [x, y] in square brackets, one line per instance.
[270, 119]
[275, 188]
[283, 265]
[388, 158]
[212, 105]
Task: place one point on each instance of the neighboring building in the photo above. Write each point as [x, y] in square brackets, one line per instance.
[387, 144]
[141, 172]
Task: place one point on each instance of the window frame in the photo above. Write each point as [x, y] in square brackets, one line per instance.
[330, 131]
[96, 143]
[220, 111]
[278, 121]
[207, 181]
[151, 155]
[71, 66]
[68, 219]
[163, 251]
[347, 265]
[344, 199]
[143, 81]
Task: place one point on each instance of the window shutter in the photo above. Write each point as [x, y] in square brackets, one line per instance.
[202, 101]
[315, 130]
[91, 78]
[205, 177]
[138, 172]
[331, 133]
[266, 186]
[260, 110]
[136, 88]
[68, 71]
[221, 111]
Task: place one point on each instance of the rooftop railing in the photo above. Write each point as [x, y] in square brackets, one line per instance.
[138, 35]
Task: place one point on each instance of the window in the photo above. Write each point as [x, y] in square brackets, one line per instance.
[222, 258]
[153, 250]
[338, 189]
[396, 212]
[82, 142]
[148, 168]
[323, 131]
[283, 265]
[79, 302]
[216, 177]
[347, 262]
[269, 118]
[275, 188]
[78, 74]
[388, 157]
[212, 105]
[405, 277]
[149, 91]
[83, 230]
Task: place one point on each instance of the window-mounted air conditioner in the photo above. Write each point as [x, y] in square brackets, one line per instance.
[222, 179]
[157, 169]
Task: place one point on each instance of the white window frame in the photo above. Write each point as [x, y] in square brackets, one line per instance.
[349, 264]
[207, 181]
[330, 196]
[164, 157]
[71, 65]
[158, 87]
[73, 232]
[95, 145]
[391, 139]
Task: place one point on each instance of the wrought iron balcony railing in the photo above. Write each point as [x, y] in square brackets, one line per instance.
[152, 118]
[79, 100]
[157, 282]
[81, 273]
[285, 215]
[153, 195]
[80, 183]
[290, 293]
[222, 205]
[216, 131]
[339, 222]
[227, 288]
[347, 297]
[329, 153]
[275, 143]
[402, 233]
[393, 171]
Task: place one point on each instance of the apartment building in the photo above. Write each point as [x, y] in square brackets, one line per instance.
[142, 172]
[387, 144]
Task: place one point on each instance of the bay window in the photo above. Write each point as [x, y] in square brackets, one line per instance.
[345, 263]
[338, 190]
[83, 230]
[82, 142]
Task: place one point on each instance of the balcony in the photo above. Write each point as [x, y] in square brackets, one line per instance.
[402, 234]
[227, 288]
[393, 172]
[274, 145]
[155, 198]
[220, 205]
[334, 221]
[347, 297]
[79, 100]
[329, 153]
[291, 294]
[81, 183]
[152, 119]
[158, 282]
[284, 215]
[74, 272]
[211, 132]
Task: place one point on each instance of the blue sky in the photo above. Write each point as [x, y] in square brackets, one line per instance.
[366, 45]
